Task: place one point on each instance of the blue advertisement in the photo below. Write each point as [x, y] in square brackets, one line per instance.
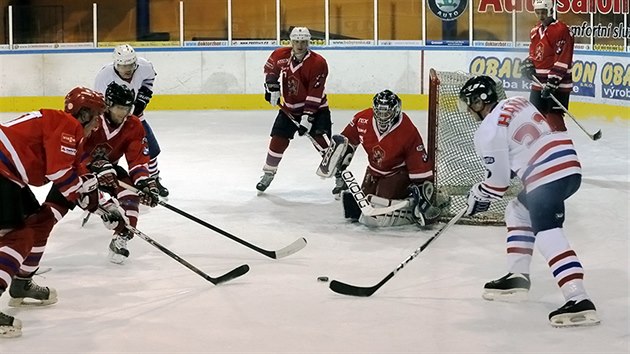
[616, 81]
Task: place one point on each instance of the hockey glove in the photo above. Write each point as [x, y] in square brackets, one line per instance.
[150, 192]
[478, 200]
[550, 87]
[142, 100]
[88, 193]
[527, 69]
[105, 172]
[272, 93]
[306, 123]
[424, 212]
[115, 218]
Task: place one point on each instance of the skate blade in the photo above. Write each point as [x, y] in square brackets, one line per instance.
[518, 295]
[116, 258]
[578, 319]
[30, 302]
[10, 331]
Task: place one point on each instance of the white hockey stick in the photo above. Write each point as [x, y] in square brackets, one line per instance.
[362, 200]
[594, 136]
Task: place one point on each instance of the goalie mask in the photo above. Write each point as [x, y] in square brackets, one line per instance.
[476, 93]
[386, 106]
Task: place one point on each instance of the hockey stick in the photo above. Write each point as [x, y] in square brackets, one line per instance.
[290, 116]
[281, 253]
[85, 218]
[234, 273]
[594, 136]
[362, 201]
[347, 289]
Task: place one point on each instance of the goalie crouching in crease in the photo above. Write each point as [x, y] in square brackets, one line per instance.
[398, 178]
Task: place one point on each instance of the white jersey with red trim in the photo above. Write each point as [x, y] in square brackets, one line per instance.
[515, 139]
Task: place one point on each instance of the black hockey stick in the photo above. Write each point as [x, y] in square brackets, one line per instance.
[290, 116]
[347, 289]
[281, 253]
[594, 136]
[234, 273]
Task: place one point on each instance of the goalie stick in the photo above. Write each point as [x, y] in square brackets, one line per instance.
[281, 253]
[234, 273]
[362, 200]
[595, 136]
[352, 290]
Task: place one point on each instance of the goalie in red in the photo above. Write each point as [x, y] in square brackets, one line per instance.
[398, 178]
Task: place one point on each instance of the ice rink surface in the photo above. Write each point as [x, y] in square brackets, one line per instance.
[211, 161]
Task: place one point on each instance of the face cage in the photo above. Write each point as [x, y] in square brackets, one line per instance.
[384, 116]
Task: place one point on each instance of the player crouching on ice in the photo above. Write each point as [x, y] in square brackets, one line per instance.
[397, 188]
[121, 133]
[514, 138]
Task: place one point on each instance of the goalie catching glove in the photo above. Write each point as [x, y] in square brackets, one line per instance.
[424, 210]
[149, 192]
[479, 200]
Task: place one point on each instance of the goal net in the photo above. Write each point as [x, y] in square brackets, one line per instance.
[450, 143]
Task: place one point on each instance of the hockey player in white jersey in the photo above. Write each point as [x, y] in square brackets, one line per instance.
[138, 74]
[514, 139]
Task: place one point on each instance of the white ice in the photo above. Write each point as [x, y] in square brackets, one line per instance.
[211, 161]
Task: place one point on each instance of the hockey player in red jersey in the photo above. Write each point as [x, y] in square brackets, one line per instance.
[303, 75]
[550, 60]
[514, 139]
[40, 147]
[397, 162]
[121, 134]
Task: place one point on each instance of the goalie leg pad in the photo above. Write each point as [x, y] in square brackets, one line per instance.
[350, 207]
[334, 155]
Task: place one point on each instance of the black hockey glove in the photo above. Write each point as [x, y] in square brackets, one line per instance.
[142, 100]
[105, 172]
[272, 93]
[550, 87]
[527, 69]
[424, 210]
[306, 123]
[150, 192]
[88, 193]
[115, 218]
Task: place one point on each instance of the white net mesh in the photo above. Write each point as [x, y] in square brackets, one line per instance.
[458, 167]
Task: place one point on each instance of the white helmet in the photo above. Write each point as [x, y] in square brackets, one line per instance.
[300, 34]
[543, 5]
[124, 55]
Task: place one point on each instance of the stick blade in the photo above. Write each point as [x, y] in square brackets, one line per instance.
[597, 135]
[351, 290]
[233, 274]
[290, 249]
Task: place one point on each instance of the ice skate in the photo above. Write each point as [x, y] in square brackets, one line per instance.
[574, 314]
[511, 287]
[265, 181]
[118, 251]
[340, 186]
[25, 292]
[163, 191]
[10, 327]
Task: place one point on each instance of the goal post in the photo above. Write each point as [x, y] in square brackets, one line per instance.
[456, 166]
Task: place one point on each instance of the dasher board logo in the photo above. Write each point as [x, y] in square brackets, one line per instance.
[448, 10]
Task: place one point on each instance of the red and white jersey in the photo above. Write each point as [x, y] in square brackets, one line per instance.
[551, 50]
[40, 147]
[401, 147]
[515, 137]
[302, 82]
[112, 143]
[143, 76]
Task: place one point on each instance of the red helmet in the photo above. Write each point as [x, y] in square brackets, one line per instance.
[83, 97]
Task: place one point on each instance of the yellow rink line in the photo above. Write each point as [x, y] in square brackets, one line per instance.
[256, 102]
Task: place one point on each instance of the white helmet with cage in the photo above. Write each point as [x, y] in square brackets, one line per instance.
[124, 54]
[300, 34]
[543, 5]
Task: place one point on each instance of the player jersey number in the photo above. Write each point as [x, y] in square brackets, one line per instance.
[527, 133]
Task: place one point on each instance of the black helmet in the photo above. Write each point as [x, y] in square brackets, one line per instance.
[119, 95]
[386, 106]
[479, 89]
